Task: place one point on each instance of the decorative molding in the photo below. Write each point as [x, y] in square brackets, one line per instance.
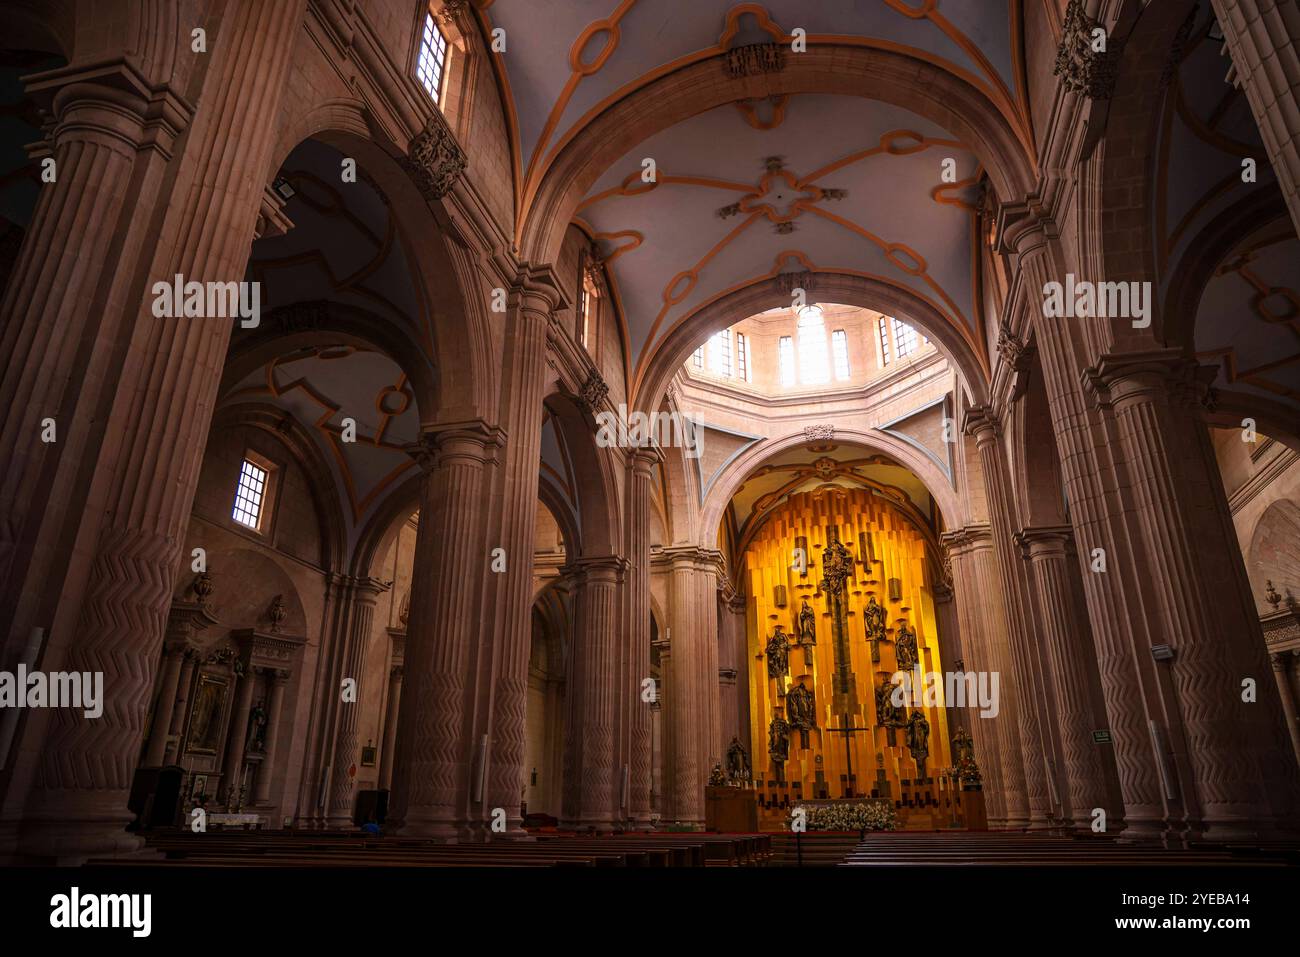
[1083, 69]
[754, 59]
[819, 433]
[594, 391]
[435, 160]
[1018, 355]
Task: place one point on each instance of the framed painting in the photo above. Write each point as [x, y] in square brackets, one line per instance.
[205, 715]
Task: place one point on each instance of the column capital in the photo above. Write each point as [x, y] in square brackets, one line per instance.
[1023, 225]
[607, 569]
[982, 423]
[643, 458]
[1119, 379]
[1043, 541]
[704, 559]
[473, 441]
[968, 536]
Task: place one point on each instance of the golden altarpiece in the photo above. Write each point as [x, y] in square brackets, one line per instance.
[840, 603]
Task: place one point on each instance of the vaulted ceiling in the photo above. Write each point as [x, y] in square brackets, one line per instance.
[767, 183]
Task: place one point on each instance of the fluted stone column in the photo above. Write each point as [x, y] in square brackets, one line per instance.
[156, 749]
[592, 692]
[1121, 635]
[1068, 652]
[980, 615]
[1191, 568]
[950, 648]
[1263, 38]
[731, 664]
[278, 679]
[364, 594]
[1281, 662]
[102, 576]
[736, 609]
[1023, 693]
[532, 300]
[640, 496]
[180, 704]
[395, 673]
[691, 707]
[232, 768]
[433, 750]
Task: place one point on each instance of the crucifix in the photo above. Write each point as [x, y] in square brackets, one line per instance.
[837, 567]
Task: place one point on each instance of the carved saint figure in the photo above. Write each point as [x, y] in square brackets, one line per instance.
[256, 729]
[807, 625]
[963, 747]
[802, 707]
[738, 767]
[778, 739]
[716, 778]
[905, 648]
[888, 714]
[918, 739]
[873, 617]
[778, 655]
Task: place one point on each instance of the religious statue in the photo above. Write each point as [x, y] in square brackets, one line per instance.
[801, 704]
[807, 625]
[962, 746]
[905, 648]
[888, 714]
[873, 617]
[778, 655]
[738, 768]
[716, 778]
[964, 753]
[918, 740]
[778, 739]
[256, 729]
[837, 567]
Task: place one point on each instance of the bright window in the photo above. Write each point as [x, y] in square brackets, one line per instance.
[250, 494]
[699, 357]
[904, 338]
[814, 366]
[742, 356]
[785, 353]
[884, 342]
[720, 353]
[590, 307]
[433, 58]
[840, 353]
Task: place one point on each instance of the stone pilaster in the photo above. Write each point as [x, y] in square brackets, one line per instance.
[980, 615]
[592, 693]
[364, 594]
[636, 710]
[121, 552]
[392, 708]
[278, 679]
[432, 751]
[232, 768]
[1282, 662]
[1085, 783]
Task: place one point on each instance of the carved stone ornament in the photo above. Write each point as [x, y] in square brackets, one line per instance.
[277, 612]
[788, 282]
[594, 391]
[435, 160]
[818, 433]
[1084, 68]
[755, 58]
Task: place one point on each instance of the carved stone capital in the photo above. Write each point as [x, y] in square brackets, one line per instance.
[434, 159]
[1082, 66]
[1119, 379]
[594, 391]
[982, 424]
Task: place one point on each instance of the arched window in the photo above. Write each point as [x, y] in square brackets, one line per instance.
[720, 353]
[840, 352]
[431, 65]
[814, 365]
[785, 355]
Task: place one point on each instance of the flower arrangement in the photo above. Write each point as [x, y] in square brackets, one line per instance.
[868, 816]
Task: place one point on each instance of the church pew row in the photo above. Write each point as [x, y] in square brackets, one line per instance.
[1023, 850]
[287, 849]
